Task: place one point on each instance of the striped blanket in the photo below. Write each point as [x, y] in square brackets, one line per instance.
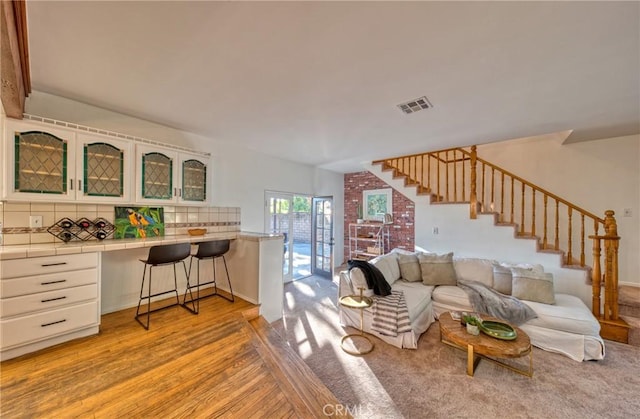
[390, 314]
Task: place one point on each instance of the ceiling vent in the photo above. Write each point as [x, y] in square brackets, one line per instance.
[415, 105]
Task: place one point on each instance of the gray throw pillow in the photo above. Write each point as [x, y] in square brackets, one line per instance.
[532, 286]
[437, 269]
[409, 267]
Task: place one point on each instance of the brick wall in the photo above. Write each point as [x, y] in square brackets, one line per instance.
[402, 232]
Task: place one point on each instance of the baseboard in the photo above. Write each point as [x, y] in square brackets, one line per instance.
[629, 284]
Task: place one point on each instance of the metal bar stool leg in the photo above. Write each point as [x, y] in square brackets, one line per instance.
[144, 273]
[232, 299]
[194, 301]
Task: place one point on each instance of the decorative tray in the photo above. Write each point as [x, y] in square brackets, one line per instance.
[498, 330]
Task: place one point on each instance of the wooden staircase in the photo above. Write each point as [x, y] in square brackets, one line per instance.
[458, 175]
[629, 302]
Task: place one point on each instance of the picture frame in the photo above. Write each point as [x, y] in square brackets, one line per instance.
[376, 203]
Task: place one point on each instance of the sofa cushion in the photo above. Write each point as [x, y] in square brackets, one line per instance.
[416, 294]
[569, 314]
[409, 267]
[532, 286]
[503, 279]
[451, 296]
[437, 269]
[473, 269]
[388, 265]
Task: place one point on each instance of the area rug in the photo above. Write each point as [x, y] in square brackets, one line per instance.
[431, 382]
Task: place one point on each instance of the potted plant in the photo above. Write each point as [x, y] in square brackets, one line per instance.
[473, 324]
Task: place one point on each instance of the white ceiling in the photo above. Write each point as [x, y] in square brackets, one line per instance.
[318, 82]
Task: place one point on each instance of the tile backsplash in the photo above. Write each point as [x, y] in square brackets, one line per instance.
[14, 217]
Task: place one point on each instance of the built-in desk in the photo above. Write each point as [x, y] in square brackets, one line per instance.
[254, 261]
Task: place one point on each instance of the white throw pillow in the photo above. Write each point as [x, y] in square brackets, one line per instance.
[388, 265]
[503, 279]
[533, 286]
[473, 269]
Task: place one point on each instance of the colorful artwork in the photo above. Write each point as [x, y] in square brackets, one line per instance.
[377, 203]
[138, 222]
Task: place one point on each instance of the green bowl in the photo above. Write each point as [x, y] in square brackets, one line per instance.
[498, 330]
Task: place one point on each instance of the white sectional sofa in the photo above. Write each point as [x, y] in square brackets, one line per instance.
[567, 327]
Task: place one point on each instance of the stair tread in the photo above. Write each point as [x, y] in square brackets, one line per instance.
[629, 295]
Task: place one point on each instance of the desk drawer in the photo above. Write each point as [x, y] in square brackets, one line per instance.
[47, 300]
[42, 283]
[15, 268]
[39, 326]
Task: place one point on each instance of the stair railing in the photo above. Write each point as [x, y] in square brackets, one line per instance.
[456, 175]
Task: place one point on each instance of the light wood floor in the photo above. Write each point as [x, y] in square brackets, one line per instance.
[219, 363]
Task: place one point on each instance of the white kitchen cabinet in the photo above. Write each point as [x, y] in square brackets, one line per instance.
[103, 169]
[39, 162]
[164, 175]
[44, 162]
[48, 300]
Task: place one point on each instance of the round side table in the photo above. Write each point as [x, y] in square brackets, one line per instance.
[359, 302]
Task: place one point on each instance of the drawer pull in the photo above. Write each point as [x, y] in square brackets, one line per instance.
[53, 282]
[53, 264]
[52, 323]
[53, 299]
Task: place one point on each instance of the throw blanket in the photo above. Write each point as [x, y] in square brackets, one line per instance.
[487, 300]
[375, 278]
[390, 314]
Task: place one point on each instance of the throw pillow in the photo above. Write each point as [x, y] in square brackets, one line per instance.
[533, 286]
[502, 278]
[474, 269]
[409, 267]
[437, 269]
[388, 265]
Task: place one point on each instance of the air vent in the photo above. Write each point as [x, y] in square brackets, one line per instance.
[415, 105]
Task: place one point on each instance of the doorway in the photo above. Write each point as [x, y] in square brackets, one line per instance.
[307, 224]
[322, 236]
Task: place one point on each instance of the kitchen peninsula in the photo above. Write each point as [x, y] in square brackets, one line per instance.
[105, 276]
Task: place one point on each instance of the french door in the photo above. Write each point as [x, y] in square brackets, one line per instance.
[322, 237]
[277, 221]
[307, 225]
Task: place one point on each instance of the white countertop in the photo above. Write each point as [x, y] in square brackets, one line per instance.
[73, 247]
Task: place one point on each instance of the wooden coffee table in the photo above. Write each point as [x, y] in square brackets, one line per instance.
[482, 346]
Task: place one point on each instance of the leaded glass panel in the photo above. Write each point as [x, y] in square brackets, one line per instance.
[103, 170]
[41, 163]
[194, 181]
[157, 176]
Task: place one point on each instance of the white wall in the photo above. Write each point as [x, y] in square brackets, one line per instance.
[594, 175]
[240, 176]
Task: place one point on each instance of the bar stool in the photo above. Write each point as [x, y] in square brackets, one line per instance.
[208, 250]
[169, 254]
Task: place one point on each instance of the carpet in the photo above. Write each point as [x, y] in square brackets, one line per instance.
[432, 381]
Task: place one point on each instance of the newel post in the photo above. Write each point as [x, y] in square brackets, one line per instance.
[474, 197]
[611, 244]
